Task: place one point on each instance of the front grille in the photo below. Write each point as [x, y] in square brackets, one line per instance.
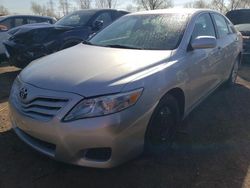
[39, 108]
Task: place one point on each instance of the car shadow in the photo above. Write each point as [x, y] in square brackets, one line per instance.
[244, 71]
[6, 80]
[212, 150]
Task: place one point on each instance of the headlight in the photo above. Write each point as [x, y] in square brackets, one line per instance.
[103, 105]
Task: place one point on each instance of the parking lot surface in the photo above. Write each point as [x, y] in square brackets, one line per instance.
[211, 150]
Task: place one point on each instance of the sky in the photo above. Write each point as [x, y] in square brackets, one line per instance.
[23, 6]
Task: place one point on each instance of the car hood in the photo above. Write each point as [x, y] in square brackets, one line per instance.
[21, 30]
[91, 70]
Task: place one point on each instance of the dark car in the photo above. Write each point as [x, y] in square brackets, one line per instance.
[36, 40]
[241, 19]
[10, 22]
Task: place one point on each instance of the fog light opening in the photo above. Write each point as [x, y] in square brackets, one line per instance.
[98, 154]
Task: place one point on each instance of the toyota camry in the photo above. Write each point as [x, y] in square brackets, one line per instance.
[126, 90]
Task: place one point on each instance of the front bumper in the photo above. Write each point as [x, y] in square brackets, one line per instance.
[20, 55]
[123, 133]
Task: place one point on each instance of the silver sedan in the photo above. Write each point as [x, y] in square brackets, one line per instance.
[103, 102]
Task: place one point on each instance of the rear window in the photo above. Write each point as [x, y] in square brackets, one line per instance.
[239, 16]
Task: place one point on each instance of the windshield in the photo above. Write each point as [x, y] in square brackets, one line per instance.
[148, 31]
[76, 19]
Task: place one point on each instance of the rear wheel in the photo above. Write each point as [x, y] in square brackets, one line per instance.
[163, 126]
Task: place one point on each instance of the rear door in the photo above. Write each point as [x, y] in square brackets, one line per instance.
[18, 21]
[227, 42]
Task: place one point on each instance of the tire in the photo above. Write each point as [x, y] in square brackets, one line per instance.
[163, 126]
[233, 75]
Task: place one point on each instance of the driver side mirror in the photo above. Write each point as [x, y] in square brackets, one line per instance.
[204, 42]
[98, 24]
[3, 28]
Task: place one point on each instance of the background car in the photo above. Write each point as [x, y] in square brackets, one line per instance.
[9, 22]
[101, 103]
[241, 19]
[34, 41]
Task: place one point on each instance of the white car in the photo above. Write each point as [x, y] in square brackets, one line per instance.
[103, 102]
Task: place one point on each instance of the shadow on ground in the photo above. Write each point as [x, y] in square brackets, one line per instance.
[212, 151]
[244, 71]
[6, 80]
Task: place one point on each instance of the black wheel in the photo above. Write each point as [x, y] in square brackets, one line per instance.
[163, 126]
[234, 73]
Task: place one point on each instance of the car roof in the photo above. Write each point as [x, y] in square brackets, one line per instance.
[240, 10]
[175, 10]
[95, 10]
[20, 15]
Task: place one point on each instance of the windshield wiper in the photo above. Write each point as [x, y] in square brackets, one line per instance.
[122, 46]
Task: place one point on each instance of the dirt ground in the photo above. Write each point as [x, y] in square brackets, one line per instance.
[212, 150]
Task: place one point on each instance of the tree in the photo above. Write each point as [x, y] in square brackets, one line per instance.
[50, 10]
[36, 8]
[43, 10]
[131, 8]
[64, 6]
[84, 4]
[219, 5]
[154, 4]
[235, 4]
[227, 5]
[197, 4]
[106, 3]
[3, 10]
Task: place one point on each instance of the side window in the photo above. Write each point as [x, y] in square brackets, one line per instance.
[221, 25]
[32, 20]
[203, 27]
[105, 17]
[230, 27]
[6, 23]
[19, 22]
[73, 20]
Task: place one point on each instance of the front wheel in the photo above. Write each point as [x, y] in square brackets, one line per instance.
[163, 126]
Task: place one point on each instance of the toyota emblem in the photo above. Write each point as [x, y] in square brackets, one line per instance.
[23, 93]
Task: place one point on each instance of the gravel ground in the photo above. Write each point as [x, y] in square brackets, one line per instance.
[212, 150]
